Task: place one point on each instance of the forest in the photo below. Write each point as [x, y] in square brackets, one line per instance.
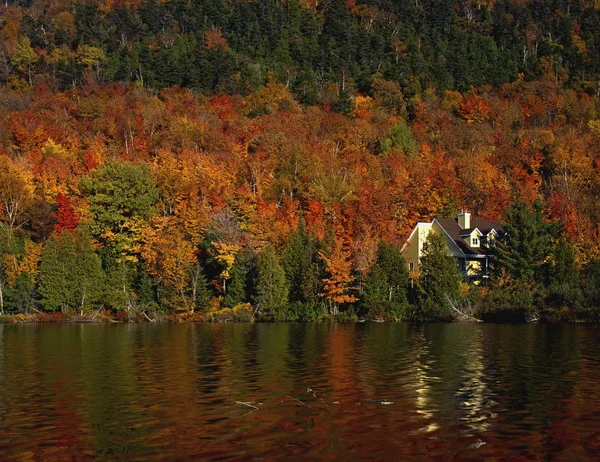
[266, 160]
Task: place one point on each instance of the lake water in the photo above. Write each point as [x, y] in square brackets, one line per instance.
[321, 391]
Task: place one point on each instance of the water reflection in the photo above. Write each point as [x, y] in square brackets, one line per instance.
[298, 390]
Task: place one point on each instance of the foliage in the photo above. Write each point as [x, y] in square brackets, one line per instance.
[120, 196]
[71, 275]
[439, 277]
[385, 287]
[528, 242]
[272, 291]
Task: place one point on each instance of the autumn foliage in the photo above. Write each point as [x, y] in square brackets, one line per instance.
[176, 187]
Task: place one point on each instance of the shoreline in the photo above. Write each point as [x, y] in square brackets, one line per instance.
[55, 318]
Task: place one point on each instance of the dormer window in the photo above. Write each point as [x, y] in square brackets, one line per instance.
[475, 242]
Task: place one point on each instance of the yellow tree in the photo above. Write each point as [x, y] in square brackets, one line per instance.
[169, 260]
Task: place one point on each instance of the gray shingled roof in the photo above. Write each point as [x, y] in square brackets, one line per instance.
[453, 229]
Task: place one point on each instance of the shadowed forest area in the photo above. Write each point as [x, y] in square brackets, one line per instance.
[239, 160]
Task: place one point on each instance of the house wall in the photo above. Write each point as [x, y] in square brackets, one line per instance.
[413, 250]
[452, 249]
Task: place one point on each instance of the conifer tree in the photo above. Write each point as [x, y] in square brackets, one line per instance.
[385, 286]
[87, 272]
[527, 243]
[563, 276]
[58, 283]
[202, 293]
[236, 290]
[439, 276]
[271, 286]
[22, 297]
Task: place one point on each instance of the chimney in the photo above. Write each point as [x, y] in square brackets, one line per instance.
[464, 219]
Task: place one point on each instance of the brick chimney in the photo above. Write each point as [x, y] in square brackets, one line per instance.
[464, 219]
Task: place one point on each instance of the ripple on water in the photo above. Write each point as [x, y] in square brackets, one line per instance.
[322, 391]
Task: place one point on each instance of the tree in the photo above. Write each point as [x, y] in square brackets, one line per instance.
[564, 288]
[121, 198]
[66, 218]
[336, 285]
[23, 295]
[71, 275]
[439, 277]
[23, 56]
[527, 244]
[385, 287]
[301, 265]
[236, 290]
[88, 273]
[271, 285]
[201, 293]
[58, 284]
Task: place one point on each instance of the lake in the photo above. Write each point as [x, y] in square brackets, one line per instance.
[299, 391]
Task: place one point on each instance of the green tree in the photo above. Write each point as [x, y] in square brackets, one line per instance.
[236, 289]
[564, 288]
[439, 277]
[304, 272]
[271, 286]
[58, 283]
[87, 272]
[400, 138]
[385, 286]
[23, 56]
[591, 283]
[22, 297]
[527, 244]
[201, 291]
[121, 198]
[71, 274]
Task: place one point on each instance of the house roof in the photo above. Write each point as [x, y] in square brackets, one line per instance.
[454, 230]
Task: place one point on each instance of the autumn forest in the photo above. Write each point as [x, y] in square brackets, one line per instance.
[266, 160]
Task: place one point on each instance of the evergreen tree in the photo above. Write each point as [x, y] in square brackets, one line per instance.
[58, 282]
[237, 286]
[527, 243]
[202, 294]
[87, 272]
[303, 270]
[22, 297]
[591, 283]
[385, 286]
[271, 286]
[295, 261]
[564, 286]
[439, 277]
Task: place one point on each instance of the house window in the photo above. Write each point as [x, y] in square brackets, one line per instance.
[411, 266]
[475, 241]
[425, 246]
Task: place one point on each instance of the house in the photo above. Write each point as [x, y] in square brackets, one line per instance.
[470, 241]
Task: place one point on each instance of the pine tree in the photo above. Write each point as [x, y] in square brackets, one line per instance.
[236, 289]
[22, 297]
[296, 259]
[202, 293]
[385, 287]
[58, 283]
[528, 242]
[272, 290]
[563, 276]
[88, 273]
[439, 276]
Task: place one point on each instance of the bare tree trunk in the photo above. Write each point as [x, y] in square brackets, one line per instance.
[1, 297]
